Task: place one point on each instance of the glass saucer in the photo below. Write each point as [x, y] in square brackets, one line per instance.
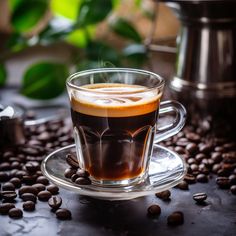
[166, 170]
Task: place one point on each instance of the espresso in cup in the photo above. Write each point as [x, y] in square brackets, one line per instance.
[114, 114]
[115, 131]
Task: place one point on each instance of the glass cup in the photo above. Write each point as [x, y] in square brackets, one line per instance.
[114, 113]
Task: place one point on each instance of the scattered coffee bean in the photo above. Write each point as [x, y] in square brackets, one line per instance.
[15, 213]
[29, 206]
[199, 197]
[63, 214]
[192, 148]
[42, 180]
[164, 195]
[202, 178]
[233, 189]
[72, 161]
[28, 197]
[74, 177]
[8, 195]
[154, 210]
[32, 166]
[44, 195]
[55, 202]
[83, 181]
[53, 189]
[223, 182]
[39, 187]
[176, 218]
[190, 179]
[28, 189]
[4, 176]
[69, 172]
[82, 173]
[5, 207]
[183, 185]
[8, 187]
[232, 179]
[16, 181]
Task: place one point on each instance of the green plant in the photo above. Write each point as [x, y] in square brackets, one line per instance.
[73, 22]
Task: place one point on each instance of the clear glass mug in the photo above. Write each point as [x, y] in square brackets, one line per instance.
[114, 113]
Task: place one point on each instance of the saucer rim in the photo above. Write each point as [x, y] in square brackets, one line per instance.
[103, 195]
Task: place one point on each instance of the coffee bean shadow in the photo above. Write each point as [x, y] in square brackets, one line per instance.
[118, 216]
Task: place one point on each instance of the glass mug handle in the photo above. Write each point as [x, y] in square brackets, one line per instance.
[174, 127]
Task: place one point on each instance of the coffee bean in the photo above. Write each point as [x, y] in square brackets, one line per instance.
[32, 166]
[4, 176]
[74, 177]
[216, 168]
[223, 182]
[72, 160]
[28, 189]
[232, 179]
[175, 218]
[55, 202]
[42, 180]
[29, 206]
[15, 213]
[193, 137]
[179, 150]
[192, 148]
[20, 173]
[183, 185]
[69, 172]
[29, 179]
[8, 195]
[16, 181]
[154, 210]
[205, 148]
[83, 181]
[5, 207]
[44, 195]
[199, 157]
[28, 197]
[5, 166]
[233, 189]
[39, 187]
[164, 195]
[8, 187]
[216, 157]
[44, 136]
[199, 197]
[82, 173]
[190, 179]
[53, 189]
[202, 178]
[63, 214]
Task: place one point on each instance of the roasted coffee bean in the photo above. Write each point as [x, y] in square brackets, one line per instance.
[203, 169]
[219, 149]
[42, 180]
[190, 179]
[229, 157]
[5, 166]
[8, 187]
[199, 197]
[199, 157]
[223, 173]
[179, 150]
[29, 206]
[232, 179]
[32, 166]
[16, 181]
[216, 168]
[223, 182]
[28, 197]
[44, 136]
[192, 148]
[194, 167]
[164, 195]
[176, 218]
[230, 146]
[233, 189]
[72, 161]
[5, 207]
[154, 210]
[15, 213]
[82, 173]
[31, 151]
[53, 189]
[69, 172]
[83, 181]
[205, 148]
[193, 137]
[29, 179]
[183, 185]
[20, 173]
[28, 189]
[216, 157]
[202, 178]
[39, 187]
[55, 202]
[8, 195]
[63, 214]
[74, 177]
[4, 176]
[191, 161]
[44, 195]
[15, 165]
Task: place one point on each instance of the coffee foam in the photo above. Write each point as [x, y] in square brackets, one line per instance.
[119, 100]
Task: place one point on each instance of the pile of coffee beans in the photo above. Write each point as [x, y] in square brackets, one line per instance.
[20, 175]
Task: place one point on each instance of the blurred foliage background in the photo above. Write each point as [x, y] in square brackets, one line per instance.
[99, 34]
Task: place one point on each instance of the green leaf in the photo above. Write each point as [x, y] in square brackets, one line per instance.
[26, 14]
[3, 75]
[16, 42]
[125, 29]
[136, 54]
[93, 11]
[44, 80]
[68, 9]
